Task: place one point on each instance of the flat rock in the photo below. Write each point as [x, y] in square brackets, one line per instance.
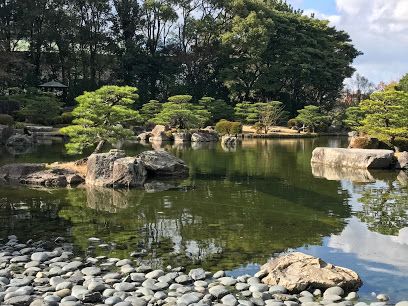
[297, 272]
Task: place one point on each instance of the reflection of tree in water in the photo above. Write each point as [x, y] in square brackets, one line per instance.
[31, 213]
[385, 208]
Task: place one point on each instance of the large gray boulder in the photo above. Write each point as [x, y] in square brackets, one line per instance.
[162, 163]
[297, 272]
[5, 133]
[13, 173]
[182, 137]
[204, 136]
[354, 158]
[402, 161]
[144, 136]
[100, 168]
[128, 172]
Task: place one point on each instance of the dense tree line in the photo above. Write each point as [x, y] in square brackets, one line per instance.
[241, 50]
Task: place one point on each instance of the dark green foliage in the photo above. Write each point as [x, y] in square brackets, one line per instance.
[181, 114]
[354, 117]
[292, 123]
[312, 117]
[225, 127]
[102, 116]
[242, 50]
[39, 108]
[6, 120]
[219, 109]
[403, 83]
[150, 110]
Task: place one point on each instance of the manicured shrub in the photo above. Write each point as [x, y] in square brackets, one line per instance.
[224, 127]
[6, 120]
[67, 117]
[259, 127]
[292, 122]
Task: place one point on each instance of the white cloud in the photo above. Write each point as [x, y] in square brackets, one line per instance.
[378, 28]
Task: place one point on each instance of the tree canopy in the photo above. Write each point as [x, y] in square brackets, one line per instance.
[234, 51]
[101, 116]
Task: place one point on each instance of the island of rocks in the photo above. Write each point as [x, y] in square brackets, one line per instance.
[44, 273]
[113, 169]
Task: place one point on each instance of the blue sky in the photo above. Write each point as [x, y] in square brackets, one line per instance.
[378, 28]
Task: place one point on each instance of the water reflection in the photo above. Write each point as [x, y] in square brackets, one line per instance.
[235, 210]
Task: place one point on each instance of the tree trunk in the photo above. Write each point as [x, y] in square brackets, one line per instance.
[99, 147]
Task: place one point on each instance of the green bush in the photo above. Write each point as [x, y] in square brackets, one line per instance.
[67, 117]
[19, 125]
[292, 122]
[224, 127]
[6, 120]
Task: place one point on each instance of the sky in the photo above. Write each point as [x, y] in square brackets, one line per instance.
[378, 28]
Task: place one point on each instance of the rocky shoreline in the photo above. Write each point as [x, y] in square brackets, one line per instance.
[48, 273]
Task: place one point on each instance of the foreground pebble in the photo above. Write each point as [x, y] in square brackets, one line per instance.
[33, 275]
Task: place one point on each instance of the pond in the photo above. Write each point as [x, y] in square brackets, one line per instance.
[236, 210]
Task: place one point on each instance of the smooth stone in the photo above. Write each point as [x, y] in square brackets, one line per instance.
[277, 289]
[229, 300]
[218, 291]
[227, 281]
[137, 277]
[273, 303]
[63, 285]
[79, 291]
[197, 274]
[136, 301]
[127, 269]
[332, 297]
[19, 300]
[242, 286]
[258, 302]
[183, 279]
[245, 303]
[63, 293]
[124, 286]
[160, 295]
[39, 256]
[155, 274]
[125, 303]
[189, 298]
[402, 303]
[92, 297]
[113, 300]
[96, 286]
[378, 304]
[361, 304]
[291, 303]
[258, 288]
[253, 280]
[246, 293]
[333, 291]
[317, 292]
[306, 293]
[383, 297]
[200, 283]
[123, 262]
[311, 304]
[305, 299]
[352, 296]
[91, 271]
[52, 299]
[72, 266]
[219, 274]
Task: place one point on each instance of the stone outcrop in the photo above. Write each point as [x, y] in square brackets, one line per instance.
[160, 133]
[364, 142]
[53, 178]
[114, 169]
[182, 137]
[297, 272]
[354, 158]
[230, 140]
[144, 136]
[5, 133]
[128, 172]
[13, 173]
[402, 161]
[161, 163]
[19, 140]
[204, 136]
[37, 174]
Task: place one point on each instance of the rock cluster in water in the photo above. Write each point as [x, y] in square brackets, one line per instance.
[31, 274]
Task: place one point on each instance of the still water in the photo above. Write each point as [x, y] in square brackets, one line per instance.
[237, 209]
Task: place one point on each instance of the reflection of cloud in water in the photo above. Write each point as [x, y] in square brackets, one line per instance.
[372, 246]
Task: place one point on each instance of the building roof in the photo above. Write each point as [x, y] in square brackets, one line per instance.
[53, 84]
